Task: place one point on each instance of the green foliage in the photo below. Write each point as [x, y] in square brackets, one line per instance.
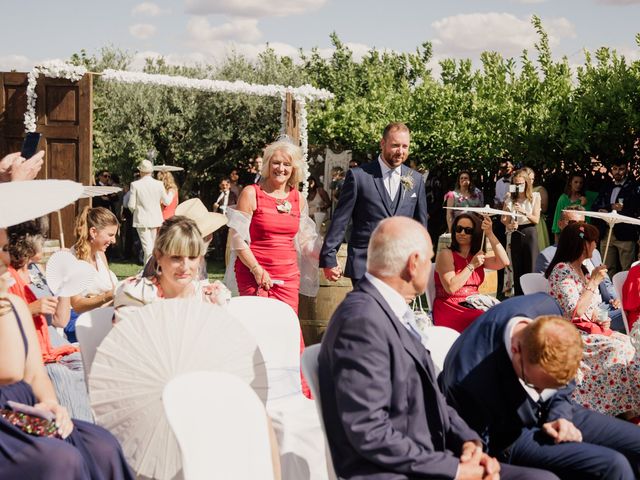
[534, 110]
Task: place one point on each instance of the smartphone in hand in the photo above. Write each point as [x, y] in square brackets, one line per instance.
[30, 145]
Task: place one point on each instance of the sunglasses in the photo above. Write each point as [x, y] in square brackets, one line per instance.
[467, 230]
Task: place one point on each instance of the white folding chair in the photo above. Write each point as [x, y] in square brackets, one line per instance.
[298, 427]
[310, 370]
[533, 283]
[618, 281]
[91, 328]
[438, 341]
[221, 427]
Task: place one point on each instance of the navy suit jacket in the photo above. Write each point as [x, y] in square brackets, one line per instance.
[365, 200]
[479, 381]
[384, 414]
[630, 208]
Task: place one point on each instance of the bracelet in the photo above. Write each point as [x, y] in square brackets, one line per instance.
[257, 265]
[590, 289]
[470, 267]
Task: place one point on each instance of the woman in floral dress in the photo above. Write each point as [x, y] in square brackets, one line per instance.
[608, 380]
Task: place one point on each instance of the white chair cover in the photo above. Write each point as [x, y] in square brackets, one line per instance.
[618, 281]
[91, 328]
[533, 283]
[298, 429]
[431, 288]
[438, 341]
[220, 425]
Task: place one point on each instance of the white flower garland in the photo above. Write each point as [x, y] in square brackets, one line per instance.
[74, 73]
[53, 69]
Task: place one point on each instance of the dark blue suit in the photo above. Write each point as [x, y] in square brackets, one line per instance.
[479, 381]
[383, 412]
[365, 200]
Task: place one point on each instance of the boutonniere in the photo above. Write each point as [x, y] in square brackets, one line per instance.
[283, 206]
[407, 181]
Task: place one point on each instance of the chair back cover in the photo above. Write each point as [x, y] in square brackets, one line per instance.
[91, 328]
[431, 288]
[438, 341]
[533, 283]
[618, 281]
[221, 427]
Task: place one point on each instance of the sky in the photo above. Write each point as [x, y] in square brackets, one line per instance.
[205, 31]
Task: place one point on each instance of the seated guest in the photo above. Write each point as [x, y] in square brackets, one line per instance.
[63, 362]
[96, 230]
[631, 298]
[178, 251]
[383, 411]
[510, 378]
[609, 373]
[610, 299]
[82, 450]
[460, 270]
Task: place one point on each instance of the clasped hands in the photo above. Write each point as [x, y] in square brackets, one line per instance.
[475, 464]
[333, 274]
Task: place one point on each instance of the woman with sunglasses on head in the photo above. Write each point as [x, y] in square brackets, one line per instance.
[609, 374]
[460, 270]
[522, 236]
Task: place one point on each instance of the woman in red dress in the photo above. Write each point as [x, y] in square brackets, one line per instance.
[171, 187]
[460, 270]
[267, 259]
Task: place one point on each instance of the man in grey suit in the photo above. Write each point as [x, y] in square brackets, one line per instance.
[377, 190]
[384, 415]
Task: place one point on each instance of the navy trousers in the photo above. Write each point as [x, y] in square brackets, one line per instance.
[610, 449]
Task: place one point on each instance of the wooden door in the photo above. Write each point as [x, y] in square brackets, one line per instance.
[65, 119]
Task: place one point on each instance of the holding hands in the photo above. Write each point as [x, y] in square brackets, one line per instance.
[333, 274]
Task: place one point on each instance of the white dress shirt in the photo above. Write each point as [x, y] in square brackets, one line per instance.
[391, 177]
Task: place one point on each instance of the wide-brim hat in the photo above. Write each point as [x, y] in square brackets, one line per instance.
[22, 201]
[207, 222]
[145, 166]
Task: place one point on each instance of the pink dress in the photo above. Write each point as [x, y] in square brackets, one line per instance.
[447, 311]
[272, 233]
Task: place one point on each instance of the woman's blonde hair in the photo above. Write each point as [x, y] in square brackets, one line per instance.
[98, 218]
[179, 236]
[293, 151]
[168, 181]
[528, 186]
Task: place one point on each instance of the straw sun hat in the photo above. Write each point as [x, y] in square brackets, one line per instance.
[207, 222]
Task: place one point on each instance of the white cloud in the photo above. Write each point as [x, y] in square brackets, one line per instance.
[142, 30]
[619, 2]
[253, 8]
[19, 63]
[149, 8]
[243, 29]
[469, 34]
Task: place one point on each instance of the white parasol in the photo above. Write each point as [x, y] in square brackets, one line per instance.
[22, 201]
[611, 218]
[167, 168]
[486, 210]
[99, 190]
[143, 352]
[67, 276]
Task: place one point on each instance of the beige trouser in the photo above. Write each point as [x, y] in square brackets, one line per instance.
[620, 255]
[147, 239]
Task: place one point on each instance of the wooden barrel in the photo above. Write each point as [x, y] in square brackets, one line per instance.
[315, 313]
[490, 284]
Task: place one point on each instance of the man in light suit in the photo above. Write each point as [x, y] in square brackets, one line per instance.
[384, 415]
[377, 190]
[145, 197]
[511, 378]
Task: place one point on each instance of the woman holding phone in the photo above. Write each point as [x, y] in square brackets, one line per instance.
[522, 236]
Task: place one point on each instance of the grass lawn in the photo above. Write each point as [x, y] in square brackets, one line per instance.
[215, 268]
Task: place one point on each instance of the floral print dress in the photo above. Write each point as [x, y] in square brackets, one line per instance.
[608, 379]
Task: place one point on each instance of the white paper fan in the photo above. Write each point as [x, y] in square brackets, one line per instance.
[143, 352]
[22, 201]
[99, 190]
[67, 276]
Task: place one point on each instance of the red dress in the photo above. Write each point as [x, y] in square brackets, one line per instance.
[169, 211]
[631, 295]
[272, 233]
[446, 309]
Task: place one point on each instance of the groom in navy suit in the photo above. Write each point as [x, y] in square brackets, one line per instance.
[377, 190]
[384, 415]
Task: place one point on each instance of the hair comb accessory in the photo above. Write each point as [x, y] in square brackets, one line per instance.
[581, 228]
